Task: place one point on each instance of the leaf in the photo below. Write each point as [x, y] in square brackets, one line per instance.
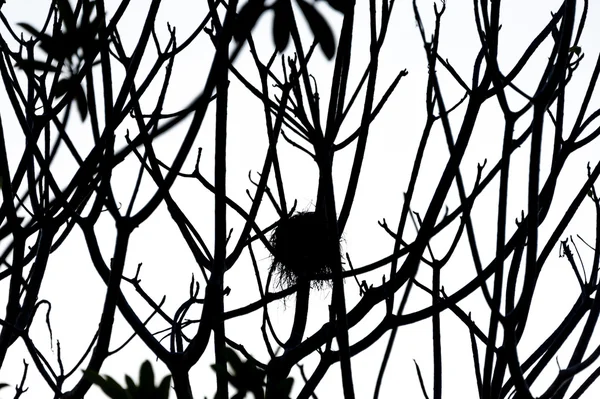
[576, 50]
[339, 5]
[284, 388]
[82, 107]
[61, 87]
[114, 390]
[88, 7]
[247, 18]
[162, 392]
[2, 385]
[61, 46]
[131, 387]
[234, 360]
[146, 386]
[58, 47]
[109, 386]
[87, 32]
[220, 370]
[319, 27]
[256, 387]
[281, 24]
[36, 65]
[64, 86]
[66, 12]
[55, 47]
[36, 33]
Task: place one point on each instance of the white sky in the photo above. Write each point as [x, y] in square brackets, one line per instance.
[76, 292]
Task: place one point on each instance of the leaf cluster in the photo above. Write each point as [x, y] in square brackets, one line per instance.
[145, 390]
[283, 22]
[248, 378]
[63, 46]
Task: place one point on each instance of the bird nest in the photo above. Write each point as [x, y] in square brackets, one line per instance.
[300, 250]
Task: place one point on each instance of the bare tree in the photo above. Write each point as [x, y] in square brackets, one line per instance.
[63, 183]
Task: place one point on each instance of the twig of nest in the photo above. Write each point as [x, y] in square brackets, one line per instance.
[300, 250]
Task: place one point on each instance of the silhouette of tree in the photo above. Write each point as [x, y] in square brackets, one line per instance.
[62, 184]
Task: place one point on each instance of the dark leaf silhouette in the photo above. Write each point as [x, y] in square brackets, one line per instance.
[62, 46]
[131, 387]
[281, 24]
[108, 385]
[62, 87]
[284, 388]
[66, 12]
[36, 65]
[145, 390]
[247, 18]
[36, 33]
[319, 27]
[81, 102]
[162, 391]
[146, 381]
[339, 5]
[247, 378]
[57, 47]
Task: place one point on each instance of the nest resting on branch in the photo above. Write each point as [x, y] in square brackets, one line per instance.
[300, 250]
